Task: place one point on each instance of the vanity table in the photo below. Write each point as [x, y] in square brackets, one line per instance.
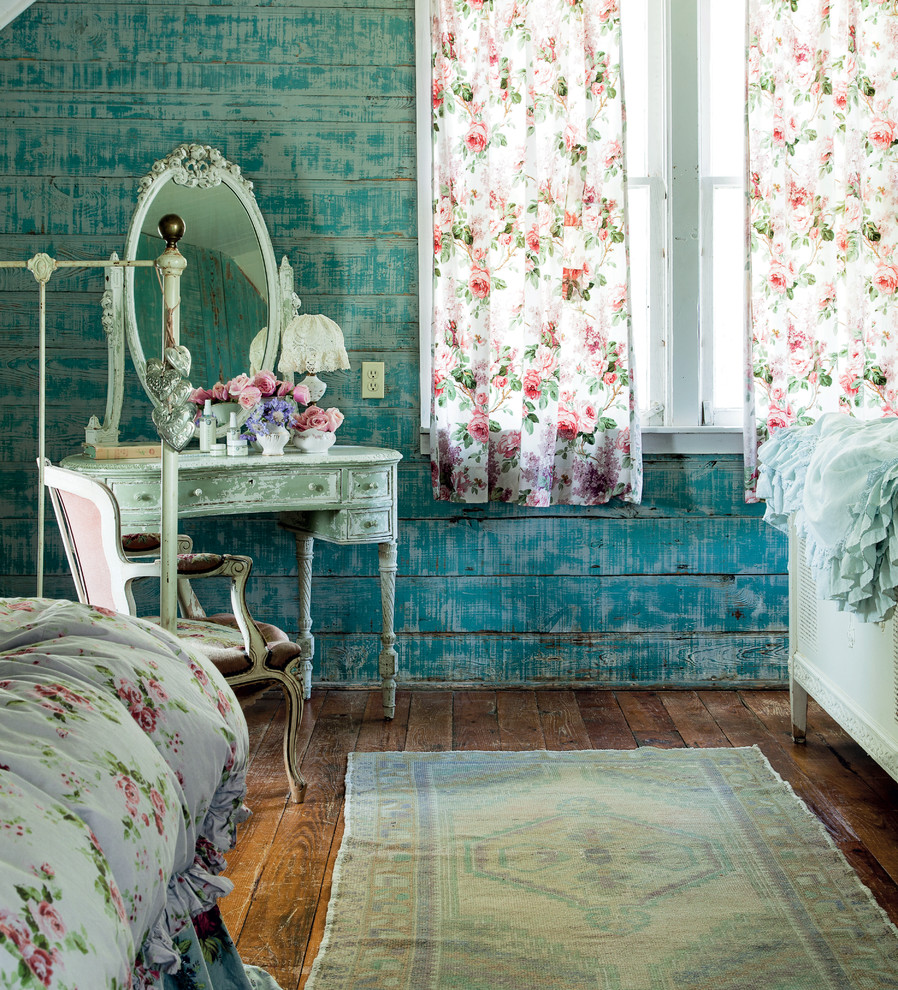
[345, 496]
[235, 304]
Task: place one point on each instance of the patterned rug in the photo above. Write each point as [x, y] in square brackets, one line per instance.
[644, 870]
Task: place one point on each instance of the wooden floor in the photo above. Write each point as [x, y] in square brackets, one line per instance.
[285, 853]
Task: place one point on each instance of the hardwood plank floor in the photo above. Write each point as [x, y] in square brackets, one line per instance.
[285, 854]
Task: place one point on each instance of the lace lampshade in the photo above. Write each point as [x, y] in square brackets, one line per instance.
[312, 344]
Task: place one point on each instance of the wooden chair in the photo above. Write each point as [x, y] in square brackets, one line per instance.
[245, 651]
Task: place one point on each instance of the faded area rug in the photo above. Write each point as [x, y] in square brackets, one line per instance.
[644, 870]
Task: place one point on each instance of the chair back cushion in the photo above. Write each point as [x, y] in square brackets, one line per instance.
[85, 536]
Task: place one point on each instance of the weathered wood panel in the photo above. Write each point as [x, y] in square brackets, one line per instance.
[315, 102]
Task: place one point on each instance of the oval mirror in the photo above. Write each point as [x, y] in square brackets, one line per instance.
[230, 294]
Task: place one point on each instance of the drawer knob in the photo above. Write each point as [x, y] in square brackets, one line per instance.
[315, 488]
[371, 485]
[144, 497]
[197, 492]
[370, 523]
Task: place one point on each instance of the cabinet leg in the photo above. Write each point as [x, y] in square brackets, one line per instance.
[305, 640]
[386, 553]
[798, 700]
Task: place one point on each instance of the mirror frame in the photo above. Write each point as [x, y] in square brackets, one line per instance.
[194, 165]
[200, 167]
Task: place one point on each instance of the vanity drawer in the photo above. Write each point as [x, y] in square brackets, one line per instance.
[377, 483]
[141, 495]
[245, 489]
[343, 525]
[366, 524]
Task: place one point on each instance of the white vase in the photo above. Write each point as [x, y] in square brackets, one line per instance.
[222, 411]
[273, 443]
[314, 441]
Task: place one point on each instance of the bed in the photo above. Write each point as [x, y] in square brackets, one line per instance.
[122, 780]
[833, 487]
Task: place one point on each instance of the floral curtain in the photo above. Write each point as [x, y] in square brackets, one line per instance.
[823, 213]
[532, 380]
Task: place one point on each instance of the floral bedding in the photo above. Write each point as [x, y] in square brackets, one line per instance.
[122, 777]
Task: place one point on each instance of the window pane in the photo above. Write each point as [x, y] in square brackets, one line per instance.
[726, 81]
[634, 38]
[638, 202]
[728, 287]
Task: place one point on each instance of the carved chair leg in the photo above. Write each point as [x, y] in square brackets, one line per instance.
[293, 692]
[306, 679]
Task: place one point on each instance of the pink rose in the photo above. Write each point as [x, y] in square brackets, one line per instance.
[619, 299]
[129, 789]
[13, 928]
[265, 382]
[886, 279]
[220, 392]
[301, 394]
[145, 717]
[568, 425]
[589, 416]
[334, 418]
[40, 962]
[612, 152]
[533, 240]
[249, 396]
[509, 444]
[129, 693]
[479, 427]
[436, 93]
[532, 383]
[847, 380]
[199, 395]
[157, 801]
[311, 418]
[479, 283]
[477, 137]
[780, 277]
[236, 385]
[778, 418]
[609, 378]
[881, 133]
[157, 690]
[48, 920]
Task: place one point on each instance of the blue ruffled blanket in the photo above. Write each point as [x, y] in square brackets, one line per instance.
[839, 478]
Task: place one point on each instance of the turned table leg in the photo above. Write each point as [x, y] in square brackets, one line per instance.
[305, 640]
[386, 554]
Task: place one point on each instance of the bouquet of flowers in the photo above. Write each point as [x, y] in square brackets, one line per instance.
[314, 418]
[274, 406]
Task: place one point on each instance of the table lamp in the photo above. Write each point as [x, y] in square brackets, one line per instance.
[311, 344]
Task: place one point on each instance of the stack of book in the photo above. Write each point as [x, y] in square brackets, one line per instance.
[123, 451]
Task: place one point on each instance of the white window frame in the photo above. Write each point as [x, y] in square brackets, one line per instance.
[676, 423]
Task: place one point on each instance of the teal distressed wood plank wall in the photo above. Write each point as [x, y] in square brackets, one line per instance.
[315, 102]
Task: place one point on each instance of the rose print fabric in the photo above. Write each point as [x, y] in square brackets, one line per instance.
[532, 381]
[122, 778]
[823, 213]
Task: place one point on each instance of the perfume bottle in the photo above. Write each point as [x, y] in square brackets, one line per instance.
[208, 426]
[233, 437]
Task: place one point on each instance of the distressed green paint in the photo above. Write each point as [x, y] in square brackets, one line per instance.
[315, 102]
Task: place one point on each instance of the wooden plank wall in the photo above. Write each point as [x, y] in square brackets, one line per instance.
[315, 101]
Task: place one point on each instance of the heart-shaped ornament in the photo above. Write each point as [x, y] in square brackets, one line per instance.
[175, 427]
[179, 359]
[161, 381]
